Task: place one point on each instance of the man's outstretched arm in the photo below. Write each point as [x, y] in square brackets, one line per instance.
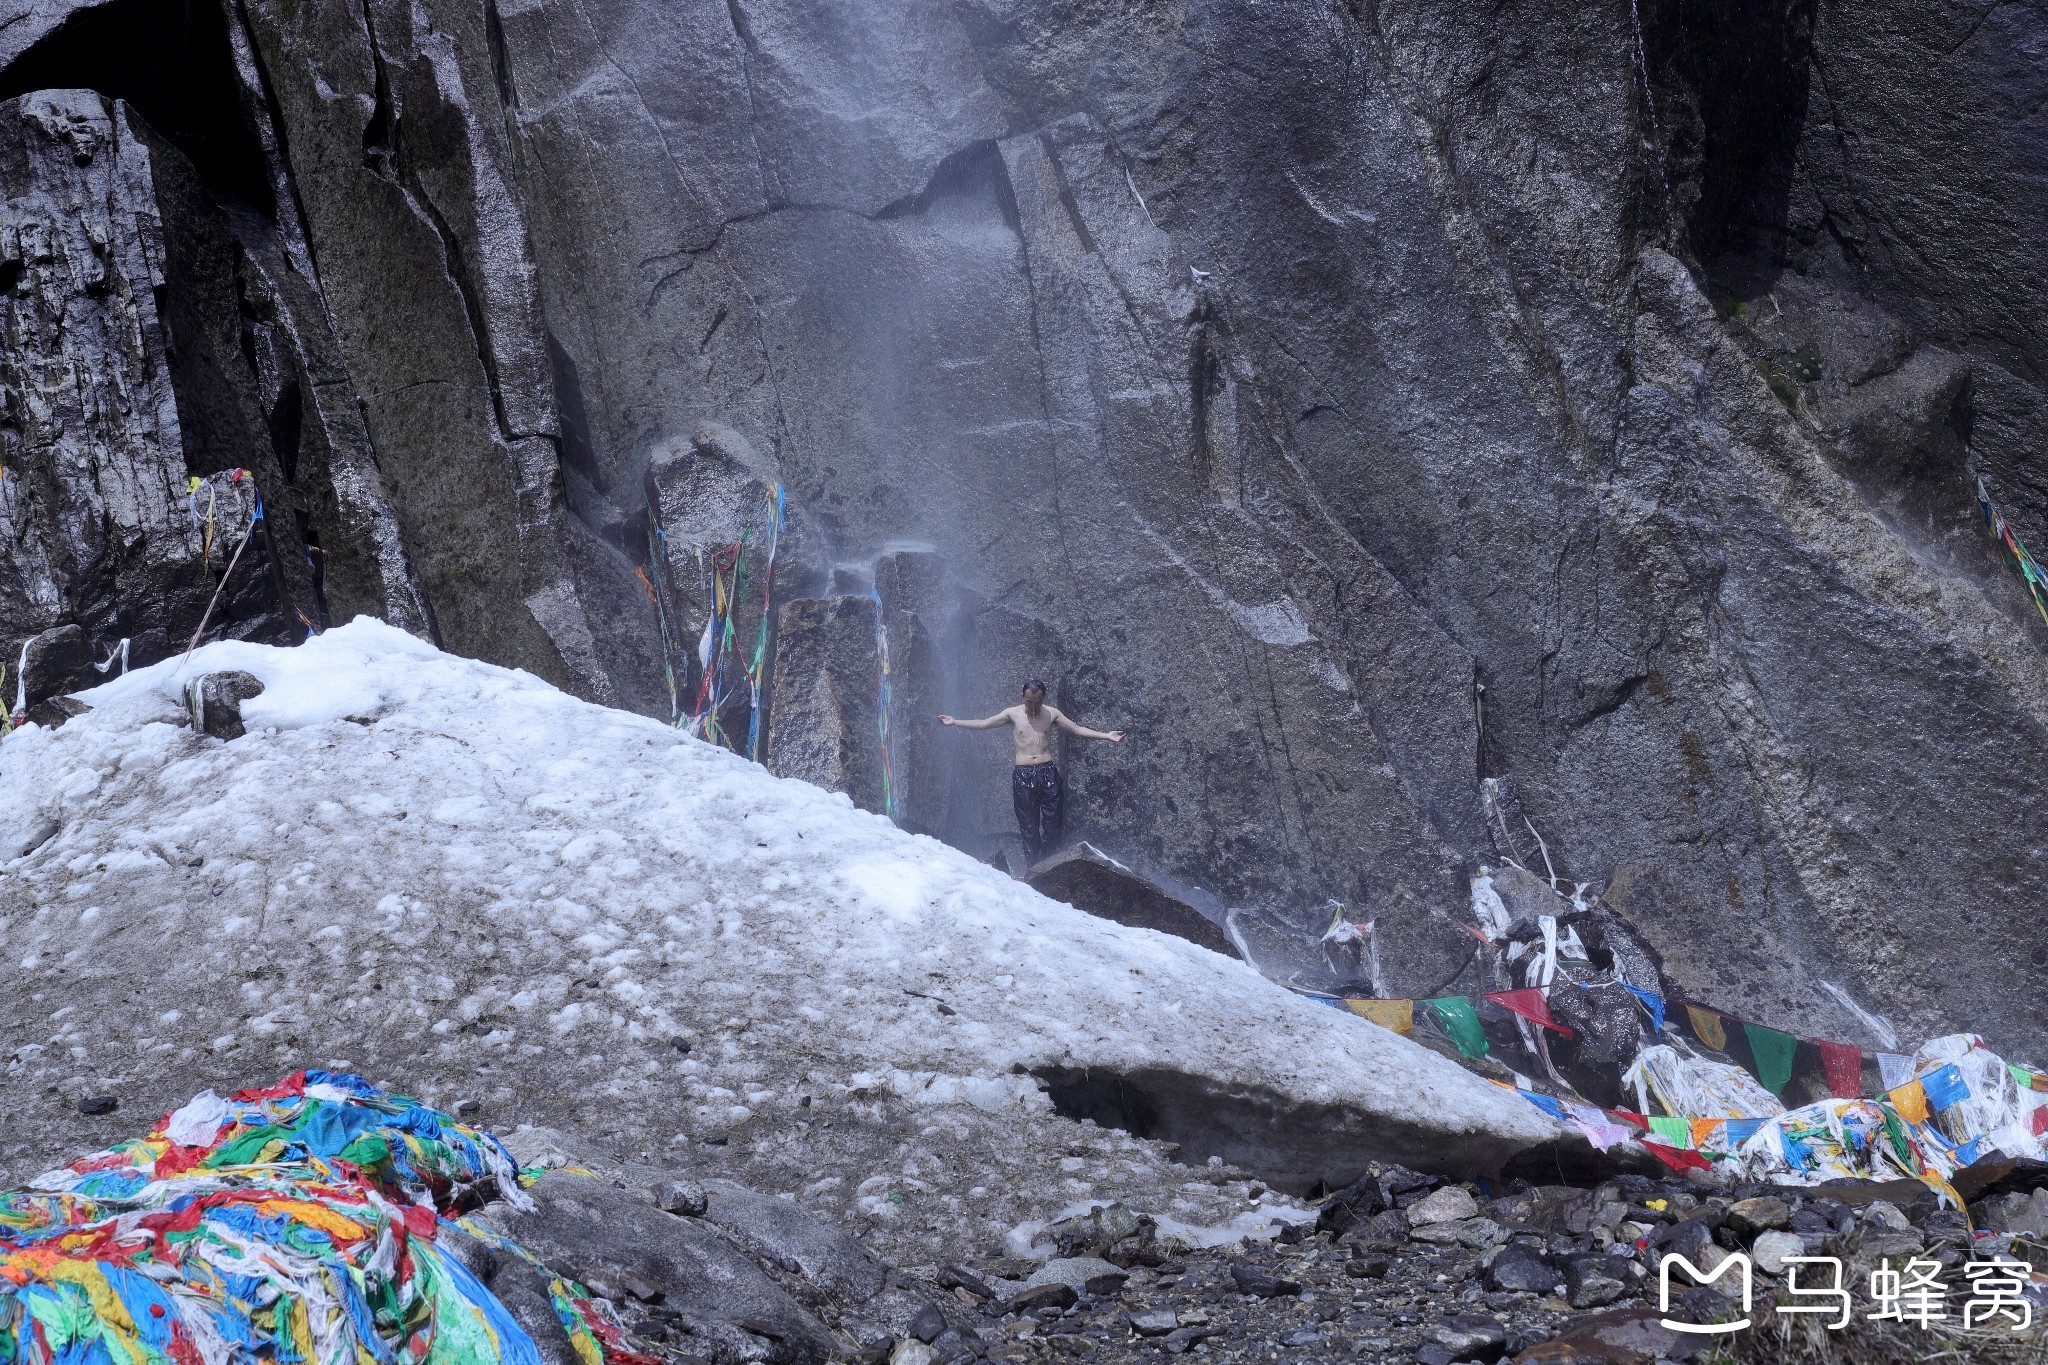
[1080, 731]
[996, 721]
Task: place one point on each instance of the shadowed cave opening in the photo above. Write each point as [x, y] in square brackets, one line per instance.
[173, 64]
[1298, 1148]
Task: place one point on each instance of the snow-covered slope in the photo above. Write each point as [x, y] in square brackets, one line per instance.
[469, 884]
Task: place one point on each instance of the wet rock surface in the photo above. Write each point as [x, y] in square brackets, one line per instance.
[1089, 879]
[1355, 405]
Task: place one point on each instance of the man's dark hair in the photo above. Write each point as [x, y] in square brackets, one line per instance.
[1035, 686]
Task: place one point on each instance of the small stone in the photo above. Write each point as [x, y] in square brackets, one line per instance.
[1472, 1336]
[684, 1198]
[679, 1043]
[1479, 1233]
[1091, 1275]
[1257, 1283]
[913, 1353]
[960, 1277]
[639, 1288]
[1371, 1267]
[213, 702]
[1180, 1339]
[715, 1140]
[1044, 1296]
[1766, 1214]
[1306, 1336]
[2024, 1214]
[955, 1344]
[1521, 1269]
[874, 1340]
[98, 1104]
[1593, 1282]
[1625, 1337]
[1772, 1248]
[1450, 1204]
[1439, 1234]
[1886, 1215]
[928, 1323]
[1157, 1323]
[1435, 1353]
[465, 1108]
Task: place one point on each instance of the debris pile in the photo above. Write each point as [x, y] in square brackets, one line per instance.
[1594, 1019]
[306, 1221]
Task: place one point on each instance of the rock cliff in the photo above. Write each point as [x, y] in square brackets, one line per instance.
[1357, 400]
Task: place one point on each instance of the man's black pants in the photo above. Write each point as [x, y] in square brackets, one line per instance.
[1037, 794]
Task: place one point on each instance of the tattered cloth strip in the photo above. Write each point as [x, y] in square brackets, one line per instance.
[1844, 1064]
[1773, 1052]
[1944, 1087]
[1910, 1100]
[2023, 560]
[1893, 1070]
[1652, 1002]
[295, 1224]
[1460, 1024]
[1706, 1026]
[1530, 1004]
[1398, 1015]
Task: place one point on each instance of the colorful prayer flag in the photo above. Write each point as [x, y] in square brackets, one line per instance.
[1676, 1131]
[1945, 1086]
[1844, 1064]
[1652, 1002]
[1894, 1069]
[1530, 1004]
[1706, 1026]
[1773, 1053]
[1461, 1023]
[1910, 1100]
[1741, 1131]
[1398, 1015]
[1677, 1158]
[1703, 1131]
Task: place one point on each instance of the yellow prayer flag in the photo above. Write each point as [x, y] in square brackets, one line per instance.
[1910, 1100]
[1398, 1015]
[1706, 1026]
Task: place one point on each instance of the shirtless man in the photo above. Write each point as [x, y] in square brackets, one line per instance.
[1036, 791]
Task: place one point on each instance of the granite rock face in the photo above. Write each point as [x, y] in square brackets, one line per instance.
[1355, 402]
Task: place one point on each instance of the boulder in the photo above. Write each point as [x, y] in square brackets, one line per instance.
[596, 1233]
[214, 702]
[1523, 1270]
[779, 1232]
[1449, 1204]
[1090, 1275]
[1088, 879]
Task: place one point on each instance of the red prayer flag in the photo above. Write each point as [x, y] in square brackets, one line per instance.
[2040, 1121]
[1530, 1004]
[1632, 1118]
[1844, 1063]
[1677, 1158]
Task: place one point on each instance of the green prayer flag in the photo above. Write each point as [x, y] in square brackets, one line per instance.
[1676, 1131]
[1461, 1022]
[1773, 1052]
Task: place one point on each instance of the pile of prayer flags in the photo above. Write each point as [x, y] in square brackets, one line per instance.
[304, 1222]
